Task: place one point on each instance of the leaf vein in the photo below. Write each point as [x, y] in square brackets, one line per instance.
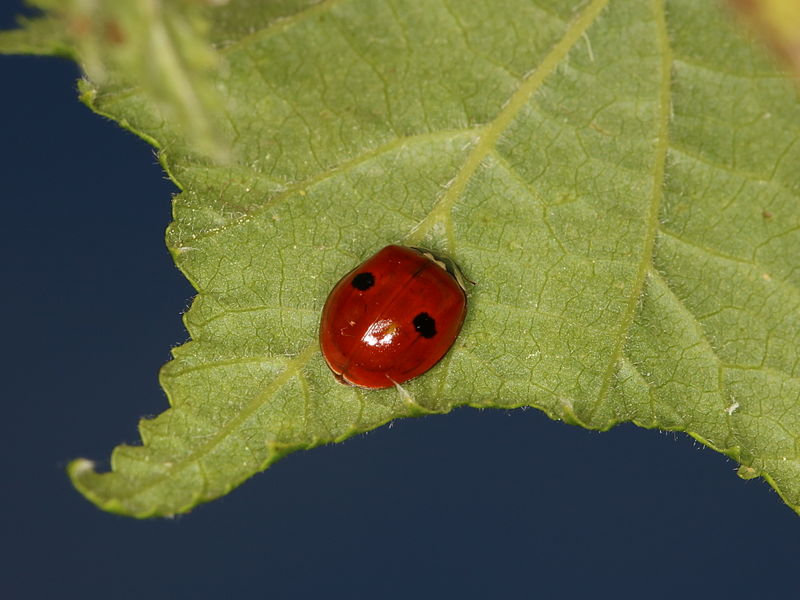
[491, 132]
[292, 368]
[282, 24]
[329, 173]
[652, 223]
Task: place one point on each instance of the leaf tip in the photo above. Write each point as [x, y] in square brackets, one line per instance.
[87, 93]
[81, 471]
[80, 467]
[746, 472]
[568, 414]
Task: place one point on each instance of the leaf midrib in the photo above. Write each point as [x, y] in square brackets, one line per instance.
[491, 132]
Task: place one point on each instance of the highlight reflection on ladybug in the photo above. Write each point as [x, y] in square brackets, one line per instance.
[392, 318]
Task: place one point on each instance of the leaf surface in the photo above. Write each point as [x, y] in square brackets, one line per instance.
[619, 178]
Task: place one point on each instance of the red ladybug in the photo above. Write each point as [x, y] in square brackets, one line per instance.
[392, 317]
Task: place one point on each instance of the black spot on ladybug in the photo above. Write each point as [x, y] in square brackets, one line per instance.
[363, 281]
[425, 325]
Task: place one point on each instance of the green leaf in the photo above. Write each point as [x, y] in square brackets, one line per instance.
[155, 46]
[43, 36]
[619, 178]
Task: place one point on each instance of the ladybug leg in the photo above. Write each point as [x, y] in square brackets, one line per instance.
[340, 378]
[402, 391]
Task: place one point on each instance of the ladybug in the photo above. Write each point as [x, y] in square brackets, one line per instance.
[392, 318]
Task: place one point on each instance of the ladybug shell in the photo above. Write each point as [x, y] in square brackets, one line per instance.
[391, 318]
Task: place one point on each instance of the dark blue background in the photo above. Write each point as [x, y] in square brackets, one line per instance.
[470, 505]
